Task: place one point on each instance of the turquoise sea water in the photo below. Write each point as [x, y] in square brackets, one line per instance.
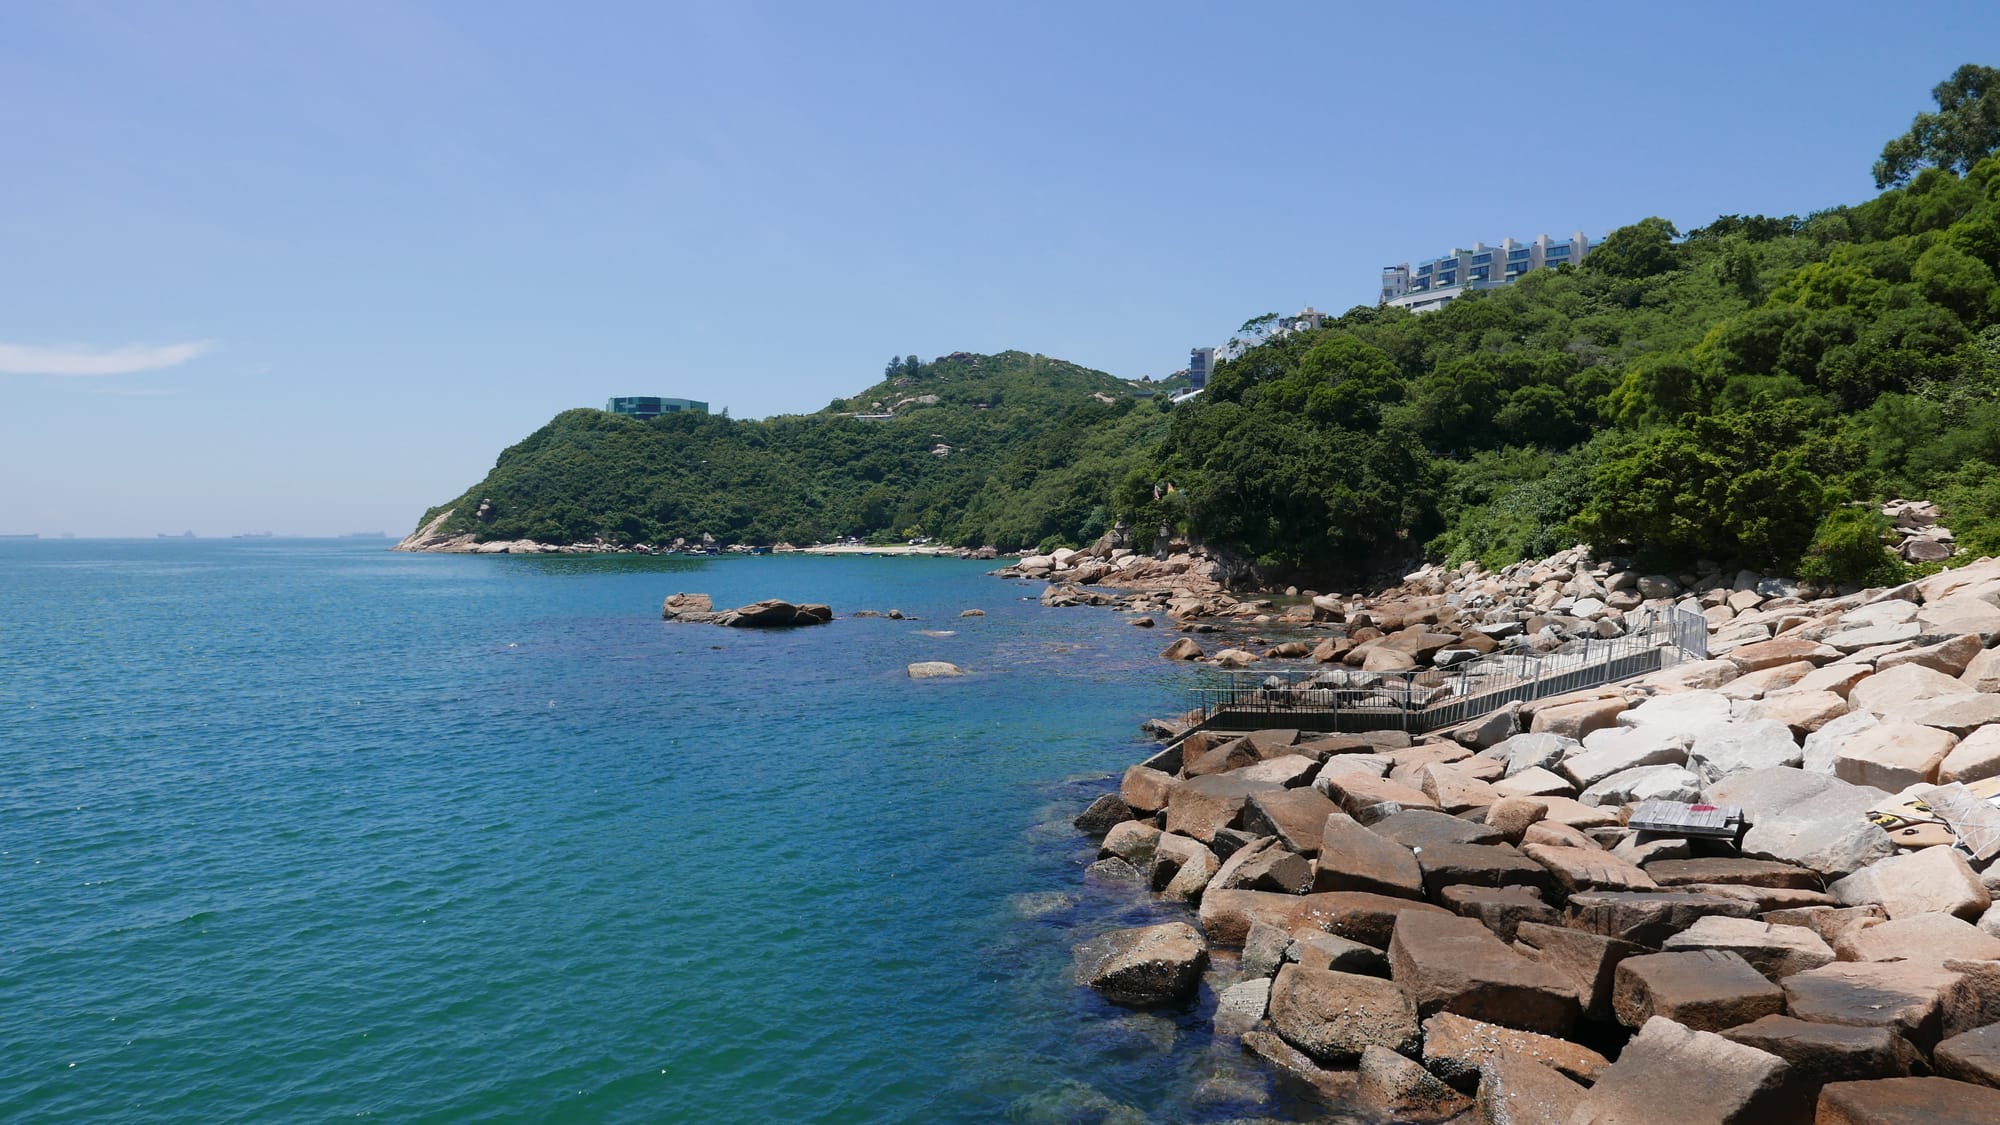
[308, 830]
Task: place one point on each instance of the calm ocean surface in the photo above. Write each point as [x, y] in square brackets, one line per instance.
[296, 830]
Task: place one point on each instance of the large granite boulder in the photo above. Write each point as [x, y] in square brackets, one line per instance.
[1907, 1101]
[1299, 1072]
[1577, 870]
[1297, 817]
[1334, 1017]
[1451, 964]
[1706, 989]
[1673, 1073]
[1588, 961]
[1975, 758]
[1818, 1053]
[1226, 916]
[1458, 1048]
[1775, 951]
[1618, 749]
[1647, 783]
[1810, 819]
[1265, 865]
[1649, 918]
[1904, 996]
[1132, 841]
[1973, 1056]
[1926, 880]
[1479, 865]
[1670, 872]
[1356, 915]
[1103, 814]
[1144, 790]
[1144, 966]
[1921, 937]
[1960, 714]
[1171, 853]
[1501, 909]
[1900, 685]
[1742, 747]
[1525, 752]
[1515, 1089]
[1201, 806]
[1397, 1089]
[1352, 858]
[1893, 755]
[1429, 828]
[1686, 711]
[1370, 799]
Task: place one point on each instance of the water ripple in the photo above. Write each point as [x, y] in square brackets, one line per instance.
[302, 831]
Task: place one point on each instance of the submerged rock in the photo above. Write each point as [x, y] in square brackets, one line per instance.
[1143, 966]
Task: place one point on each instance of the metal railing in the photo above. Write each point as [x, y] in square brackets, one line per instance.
[1333, 698]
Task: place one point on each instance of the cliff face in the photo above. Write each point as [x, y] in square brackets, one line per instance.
[430, 537]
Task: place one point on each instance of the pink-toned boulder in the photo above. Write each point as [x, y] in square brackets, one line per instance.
[1451, 964]
[1893, 755]
[1948, 656]
[1782, 650]
[1907, 1101]
[1898, 687]
[1803, 711]
[1706, 989]
[1334, 1017]
[1671, 1073]
[1574, 720]
[1975, 758]
[1928, 880]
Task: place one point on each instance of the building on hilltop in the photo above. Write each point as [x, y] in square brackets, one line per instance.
[1307, 320]
[1437, 282]
[1201, 363]
[648, 406]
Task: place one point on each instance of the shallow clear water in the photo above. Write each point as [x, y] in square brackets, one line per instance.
[304, 830]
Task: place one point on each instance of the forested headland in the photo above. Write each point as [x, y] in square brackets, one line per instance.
[1727, 392]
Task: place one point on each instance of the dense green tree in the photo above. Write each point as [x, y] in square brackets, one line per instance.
[1641, 250]
[1964, 130]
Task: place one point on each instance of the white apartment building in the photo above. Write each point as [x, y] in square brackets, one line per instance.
[1437, 282]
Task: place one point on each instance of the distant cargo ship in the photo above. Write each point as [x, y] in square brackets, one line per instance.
[182, 535]
[20, 535]
[252, 535]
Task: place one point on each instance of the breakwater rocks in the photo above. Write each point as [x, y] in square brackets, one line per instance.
[771, 613]
[1757, 887]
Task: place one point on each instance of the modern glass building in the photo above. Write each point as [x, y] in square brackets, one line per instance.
[647, 406]
[1434, 284]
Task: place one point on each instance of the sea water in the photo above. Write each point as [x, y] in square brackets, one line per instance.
[296, 830]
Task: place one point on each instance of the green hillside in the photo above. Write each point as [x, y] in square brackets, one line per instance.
[1723, 394]
[1008, 450]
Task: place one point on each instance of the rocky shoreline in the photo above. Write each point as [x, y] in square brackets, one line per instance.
[1470, 926]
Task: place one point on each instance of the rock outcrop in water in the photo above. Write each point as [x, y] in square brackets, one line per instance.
[1836, 949]
[771, 613]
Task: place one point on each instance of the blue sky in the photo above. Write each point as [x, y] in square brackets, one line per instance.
[310, 267]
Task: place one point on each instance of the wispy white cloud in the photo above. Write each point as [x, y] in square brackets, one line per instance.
[24, 359]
